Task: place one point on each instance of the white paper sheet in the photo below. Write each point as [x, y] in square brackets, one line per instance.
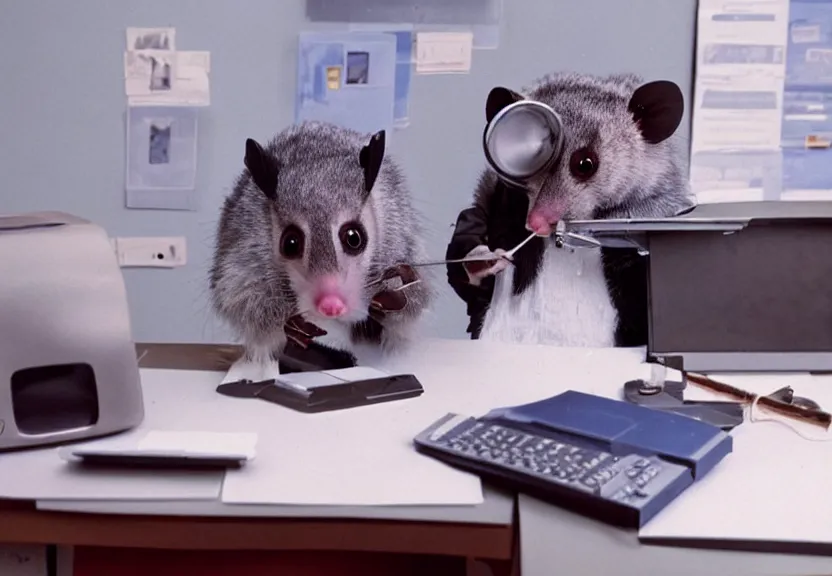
[365, 456]
[444, 52]
[157, 77]
[771, 488]
[193, 442]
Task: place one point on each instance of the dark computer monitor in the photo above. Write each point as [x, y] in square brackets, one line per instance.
[756, 299]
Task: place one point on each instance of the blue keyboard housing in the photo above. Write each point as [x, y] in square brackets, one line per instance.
[612, 474]
[625, 428]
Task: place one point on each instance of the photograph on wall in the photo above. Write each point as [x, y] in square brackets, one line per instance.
[161, 148]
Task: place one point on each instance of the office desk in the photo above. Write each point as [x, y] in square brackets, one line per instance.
[553, 541]
[485, 531]
[210, 525]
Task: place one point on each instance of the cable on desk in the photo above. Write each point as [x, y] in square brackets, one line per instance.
[753, 419]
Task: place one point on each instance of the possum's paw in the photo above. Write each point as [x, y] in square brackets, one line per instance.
[479, 269]
[255, 371]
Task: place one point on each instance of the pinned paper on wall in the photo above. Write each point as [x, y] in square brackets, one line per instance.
[164, 88]
[161, 156]
[347, 79]
[404, 67]
[167, 78]
[444, 52]
[155, 73]
[480, 17]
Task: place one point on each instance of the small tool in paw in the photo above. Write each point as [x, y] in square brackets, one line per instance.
[301, 331]
[392, 299]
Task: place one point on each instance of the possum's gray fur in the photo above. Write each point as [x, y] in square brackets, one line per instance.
[620, 159]
[320, 184]
[635, 179]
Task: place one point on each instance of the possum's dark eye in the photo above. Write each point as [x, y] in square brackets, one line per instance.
[291, 243]
[353, 238]
[583, 163]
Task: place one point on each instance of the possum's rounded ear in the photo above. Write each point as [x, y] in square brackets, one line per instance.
[498, 99]
[263, 168]
[657, 109]
[370, 159]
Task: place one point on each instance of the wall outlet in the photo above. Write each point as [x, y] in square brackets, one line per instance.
[150, 252]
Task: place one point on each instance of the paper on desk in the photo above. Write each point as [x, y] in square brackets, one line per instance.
[201, 442]
[760, 108]
[772, 487]
[349, 460]
[160, 77]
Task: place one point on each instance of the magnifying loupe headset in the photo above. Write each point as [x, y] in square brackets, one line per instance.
[522, 138]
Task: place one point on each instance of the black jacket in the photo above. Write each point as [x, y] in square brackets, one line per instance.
[498, 220]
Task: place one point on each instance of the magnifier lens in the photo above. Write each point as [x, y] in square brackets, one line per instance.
[522, 141]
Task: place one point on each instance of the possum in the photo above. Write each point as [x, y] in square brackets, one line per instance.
[619, 160]
[318, 214]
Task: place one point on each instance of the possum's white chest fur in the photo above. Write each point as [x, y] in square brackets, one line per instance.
[567, 305]
[338, 334]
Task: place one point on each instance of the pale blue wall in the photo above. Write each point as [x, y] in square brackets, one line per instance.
[62, 103]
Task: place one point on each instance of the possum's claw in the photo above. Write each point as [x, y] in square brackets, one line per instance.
[393, 299]
[403, 272]
[301, 331]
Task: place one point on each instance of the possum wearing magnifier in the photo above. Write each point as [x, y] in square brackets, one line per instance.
[618, 161]
[315, 218]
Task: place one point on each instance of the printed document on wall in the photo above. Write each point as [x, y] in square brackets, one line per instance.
[762, 110]
[167, 78]
[156, 74]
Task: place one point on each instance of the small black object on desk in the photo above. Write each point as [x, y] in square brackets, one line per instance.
[313, 357]
[106, 460]
[327, 397]
[669, 397]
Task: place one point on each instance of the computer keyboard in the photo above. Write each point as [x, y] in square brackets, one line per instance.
[625, 489]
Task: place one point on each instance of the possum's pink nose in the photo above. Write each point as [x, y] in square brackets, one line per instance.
[538, 224]
[542, 217]
[331, 306]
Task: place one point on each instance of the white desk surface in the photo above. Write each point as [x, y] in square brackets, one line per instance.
[555, 541]
[489, 375]
[497, 509]
[772, 488]
[458, 375]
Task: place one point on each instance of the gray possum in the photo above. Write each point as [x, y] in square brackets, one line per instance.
[618, 161]
[316, 216]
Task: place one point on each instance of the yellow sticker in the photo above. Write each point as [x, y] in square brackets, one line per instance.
[333, 77]
[813, 141]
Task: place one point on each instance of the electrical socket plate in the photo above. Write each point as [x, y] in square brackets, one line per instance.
[150, 252]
